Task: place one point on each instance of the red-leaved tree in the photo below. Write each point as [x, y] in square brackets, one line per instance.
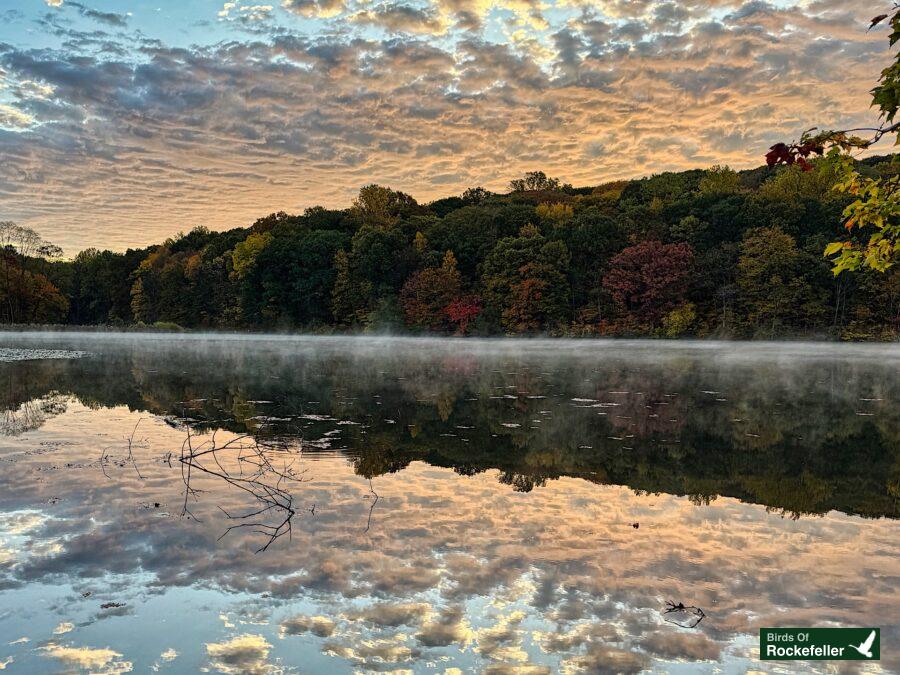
[649, 279]
[462, 311]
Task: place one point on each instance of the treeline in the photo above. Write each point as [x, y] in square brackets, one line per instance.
[704, 252]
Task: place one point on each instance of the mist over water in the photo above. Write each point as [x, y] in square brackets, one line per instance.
[449, 503]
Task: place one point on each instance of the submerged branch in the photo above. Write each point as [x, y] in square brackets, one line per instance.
[255, 473]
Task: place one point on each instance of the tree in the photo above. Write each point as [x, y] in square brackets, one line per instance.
[30, 297]
[26, 242]
[245, 254]
[475, 195]
[534, 180]
[649, 279]
[344, 294]
[427, 293]
[720, 180]
[554, 214]
[380, 206]
[524, 281]
[27, 295]
[462, 311]
[472, 232]
[592, 238]
[380, 260]
[292, 279]
[99, 291]
[679, 320]
[775, 291]
[872, 219]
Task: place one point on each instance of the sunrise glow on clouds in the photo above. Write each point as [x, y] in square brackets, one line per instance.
[123, 122]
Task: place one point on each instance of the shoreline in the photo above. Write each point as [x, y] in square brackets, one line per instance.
[814, 338]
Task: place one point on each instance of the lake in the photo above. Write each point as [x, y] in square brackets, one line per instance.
[266, 504]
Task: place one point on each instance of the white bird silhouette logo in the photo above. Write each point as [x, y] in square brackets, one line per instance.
[866, 647]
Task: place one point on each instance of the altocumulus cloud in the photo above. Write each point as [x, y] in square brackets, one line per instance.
[125, 139]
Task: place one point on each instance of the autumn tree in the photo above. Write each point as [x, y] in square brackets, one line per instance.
[649, 279]
[872, 219]
[244, 255]
[463, 311]
[25, 294]
[379, 206]
[427, 293]
[555, 213]
[525, 284]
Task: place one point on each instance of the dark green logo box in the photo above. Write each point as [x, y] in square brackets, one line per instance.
[820, 644]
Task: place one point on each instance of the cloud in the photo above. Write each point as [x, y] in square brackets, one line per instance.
[13, 118]
[245, 13]
[242, 655]
[392, 614]
[503, 640]
[100, 661]
[450, 627]
[322, 9]
[109, 18]
[317, 625]
[64, 627]
[129, 127]
[401, 18]
[372, 652]
[604, 660]
[682, 646]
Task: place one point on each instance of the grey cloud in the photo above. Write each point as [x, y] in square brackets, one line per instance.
[669, 16]
[110, 18]
[311, 8]
[391, 614]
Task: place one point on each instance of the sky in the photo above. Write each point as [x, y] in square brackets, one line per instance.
[123, 122]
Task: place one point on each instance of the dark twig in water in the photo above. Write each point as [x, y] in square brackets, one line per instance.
[372, 507]
[255, 473]
[694, 614]
[104, 453]
[131, 448]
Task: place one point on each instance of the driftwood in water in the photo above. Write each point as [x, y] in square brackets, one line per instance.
[686, 616]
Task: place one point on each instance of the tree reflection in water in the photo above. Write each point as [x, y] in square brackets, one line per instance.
[799, 434]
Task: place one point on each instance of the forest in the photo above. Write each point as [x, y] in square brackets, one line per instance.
[705, 253]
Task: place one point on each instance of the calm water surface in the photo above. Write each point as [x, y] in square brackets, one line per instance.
[281, 505]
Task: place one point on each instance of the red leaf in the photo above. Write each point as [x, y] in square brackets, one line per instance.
[877, 20]
[779, 153]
